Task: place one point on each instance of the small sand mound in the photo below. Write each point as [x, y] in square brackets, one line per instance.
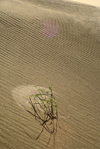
[21, 95]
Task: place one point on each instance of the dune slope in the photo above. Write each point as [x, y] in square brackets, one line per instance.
[58, 42]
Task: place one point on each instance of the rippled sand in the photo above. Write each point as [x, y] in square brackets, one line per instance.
[56, 42]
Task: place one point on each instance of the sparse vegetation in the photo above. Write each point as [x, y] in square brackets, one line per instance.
[45, 110]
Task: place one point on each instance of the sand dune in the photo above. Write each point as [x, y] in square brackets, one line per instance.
[58, 42]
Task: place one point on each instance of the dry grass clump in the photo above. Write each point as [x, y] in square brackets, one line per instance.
[45, 112]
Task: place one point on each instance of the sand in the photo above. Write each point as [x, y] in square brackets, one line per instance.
[56, 42]
[22, 95]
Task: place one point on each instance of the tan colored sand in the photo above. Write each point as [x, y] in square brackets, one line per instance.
[22, 93]
[57, 42]
[88, 2]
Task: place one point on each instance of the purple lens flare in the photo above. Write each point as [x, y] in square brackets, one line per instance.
[50, 29]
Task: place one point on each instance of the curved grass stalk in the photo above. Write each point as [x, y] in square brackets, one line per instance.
[45, 111]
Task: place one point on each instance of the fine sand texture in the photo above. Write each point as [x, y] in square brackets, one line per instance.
[52, 41]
